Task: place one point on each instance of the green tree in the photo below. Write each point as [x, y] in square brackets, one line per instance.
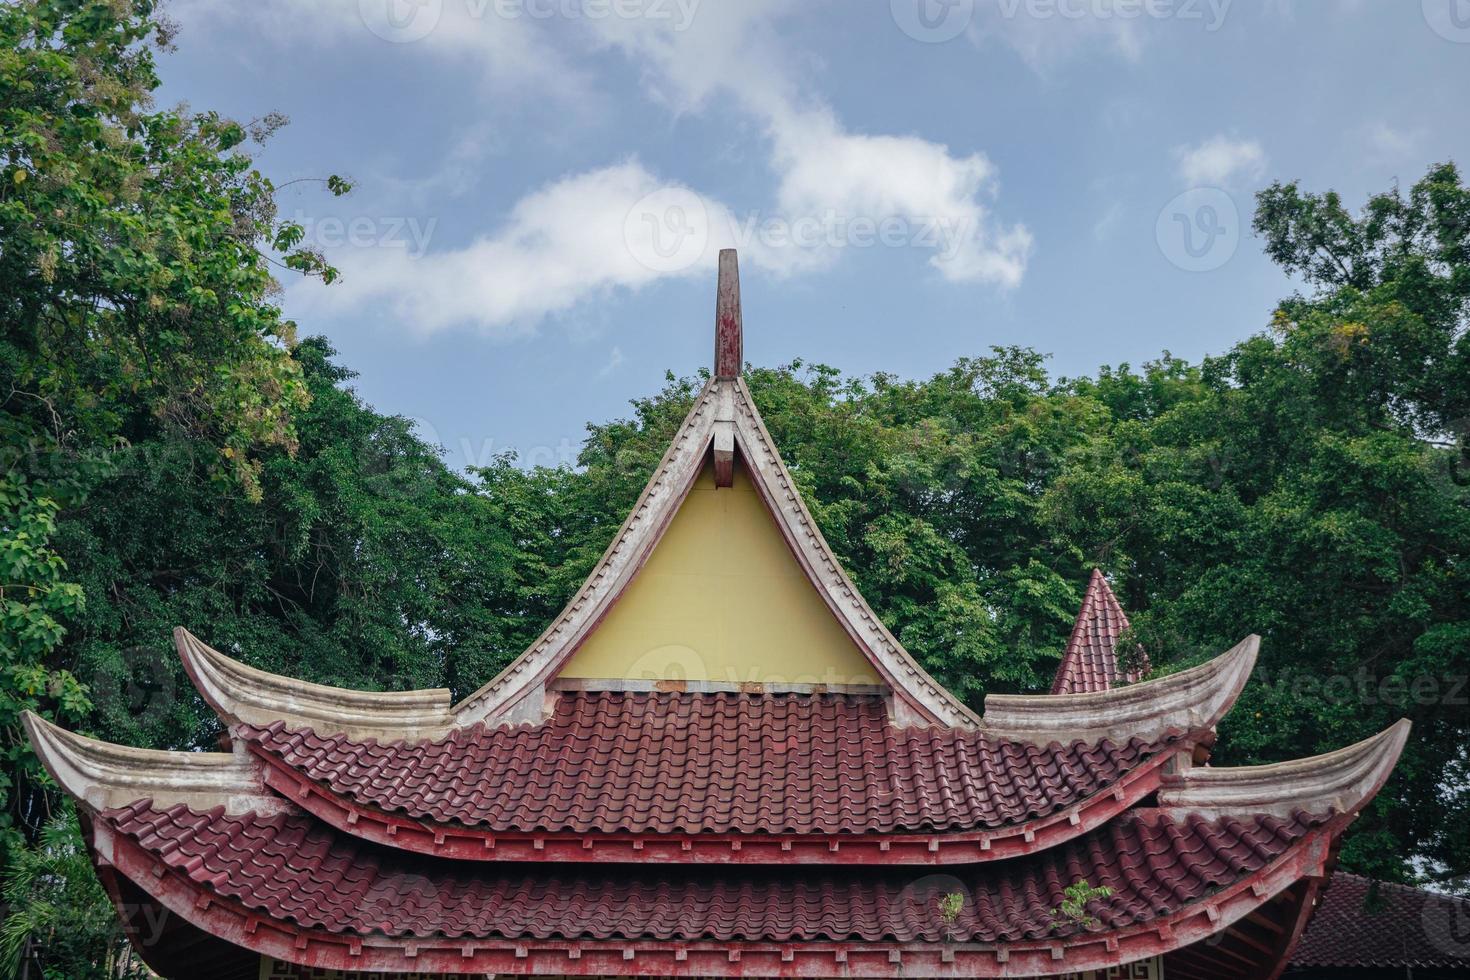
[136, 248]
[61, 922]
[1306, 486]
[34, 600]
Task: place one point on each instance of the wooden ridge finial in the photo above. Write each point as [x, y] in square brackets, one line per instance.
[729, 355]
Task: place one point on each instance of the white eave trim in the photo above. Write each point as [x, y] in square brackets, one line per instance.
[1192, 700]
[1339, 782]
[243, 694]
[103, 775]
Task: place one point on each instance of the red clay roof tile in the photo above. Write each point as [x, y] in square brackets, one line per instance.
[1401, 928]
[687, 763]
[1090, 661]
[291, 868]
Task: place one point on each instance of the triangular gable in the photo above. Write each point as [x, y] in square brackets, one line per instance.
[1090, 661]
[721, 602]
[723, 425]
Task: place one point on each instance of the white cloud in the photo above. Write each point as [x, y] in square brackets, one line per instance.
[1388, 143]
[562, 244]
[594, 233]
[830, 182]
[932, 198]
[512, 53]
[1219, 161]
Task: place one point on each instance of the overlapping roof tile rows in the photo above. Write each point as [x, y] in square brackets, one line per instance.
[657, 762]
[291, 868]
[1362, 924]
[1090, 661]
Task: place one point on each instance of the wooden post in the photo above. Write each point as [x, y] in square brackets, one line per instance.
[729, 359]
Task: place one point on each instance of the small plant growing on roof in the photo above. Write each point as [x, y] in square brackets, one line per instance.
[1075, 899]
[950, 907]
[1131, 658]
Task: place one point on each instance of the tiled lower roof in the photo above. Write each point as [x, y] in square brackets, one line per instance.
[290, 868]
[710, 762]
[1400, 928]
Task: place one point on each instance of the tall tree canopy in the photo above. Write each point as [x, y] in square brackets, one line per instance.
[135, 314]
[172, 456]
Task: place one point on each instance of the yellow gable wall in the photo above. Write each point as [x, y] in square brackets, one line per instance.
[722, 599]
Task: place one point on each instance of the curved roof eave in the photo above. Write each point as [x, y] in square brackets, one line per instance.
[103, 775]
[1342, 781]
[239, 693]
[1191, 700]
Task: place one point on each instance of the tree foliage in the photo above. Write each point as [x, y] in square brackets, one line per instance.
[61, 924]
[136, 310]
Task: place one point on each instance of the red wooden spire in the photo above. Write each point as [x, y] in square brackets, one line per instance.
[729, 358]
[728, 354]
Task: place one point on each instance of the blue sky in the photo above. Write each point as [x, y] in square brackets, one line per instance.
[542, 185]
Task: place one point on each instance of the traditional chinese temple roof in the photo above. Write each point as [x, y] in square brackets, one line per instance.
[716, 706]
